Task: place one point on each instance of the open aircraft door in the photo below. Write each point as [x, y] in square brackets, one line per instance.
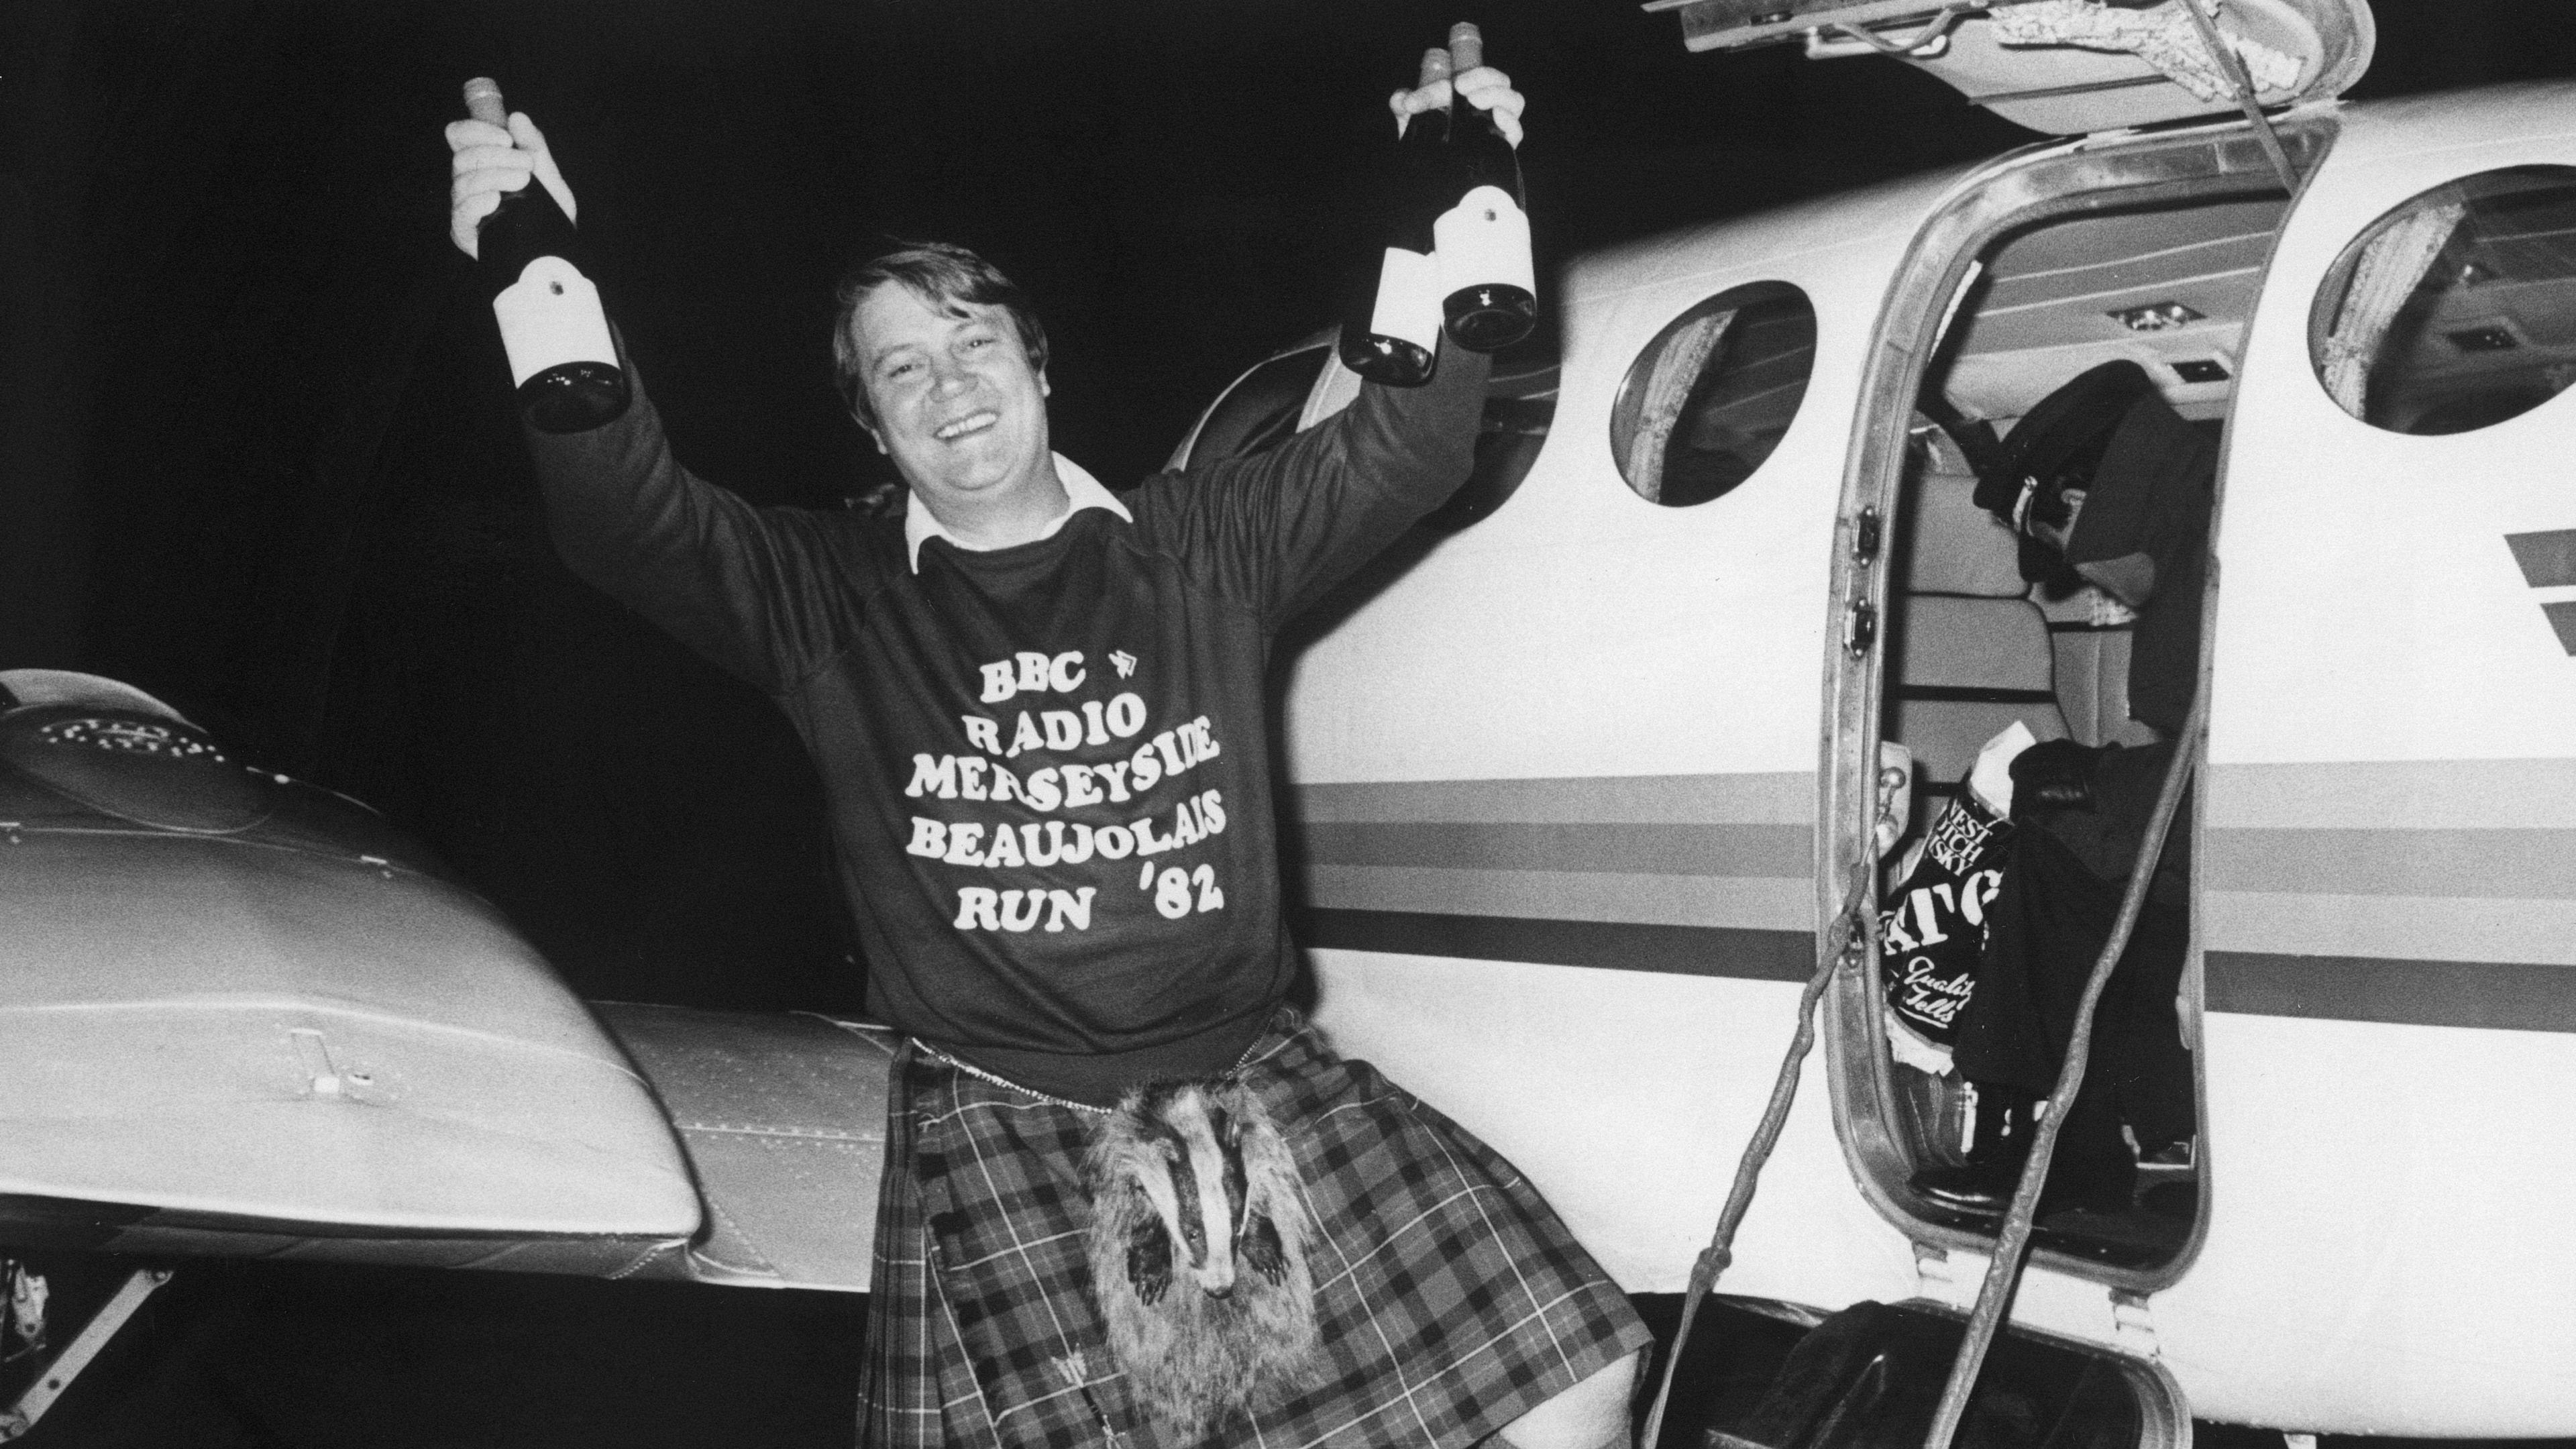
[2068, 67]
[2382, 899]
[2385, 836]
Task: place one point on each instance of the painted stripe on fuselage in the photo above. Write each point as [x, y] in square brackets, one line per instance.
[1743, 902]
[1700, 875]
[2368, 891]
[1721, 852]
[2548, 559]
[2395, 794]
[2474, 864]
[1674, 950]
[2445, 864]
[1630, 847]
[2502, 996]
[1753, 799]
[2562, 617]
[2467, 928]
[2498, 995]
[2509, 864]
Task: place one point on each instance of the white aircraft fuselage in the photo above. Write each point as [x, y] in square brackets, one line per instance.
[1579, 788]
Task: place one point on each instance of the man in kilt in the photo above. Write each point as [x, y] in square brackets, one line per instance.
[1037, 710]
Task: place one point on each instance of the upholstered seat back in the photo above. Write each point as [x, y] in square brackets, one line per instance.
[1971, 653]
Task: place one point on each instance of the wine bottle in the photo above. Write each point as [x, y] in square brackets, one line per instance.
[1483, 238]
[562, 360]
[1391, 314]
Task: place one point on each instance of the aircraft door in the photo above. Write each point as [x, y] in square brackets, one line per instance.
[2067, 69]
[2389, 869]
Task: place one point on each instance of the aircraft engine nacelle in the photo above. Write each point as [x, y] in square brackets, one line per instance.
[241, 1014]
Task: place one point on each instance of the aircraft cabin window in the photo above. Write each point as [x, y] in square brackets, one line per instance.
[2458, 309]
[1710, 397]
[1262, 408]
[1520, 405]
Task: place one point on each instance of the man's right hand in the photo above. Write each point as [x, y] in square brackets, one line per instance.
[1484, 87]
[488, 161]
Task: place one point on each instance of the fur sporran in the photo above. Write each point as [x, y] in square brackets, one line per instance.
[1198, 1254]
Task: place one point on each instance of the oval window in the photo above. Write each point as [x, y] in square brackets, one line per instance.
[2458, 309]
[1520, 405]
[1709, 398]
[1261, 408]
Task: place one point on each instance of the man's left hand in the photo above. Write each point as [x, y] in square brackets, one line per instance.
[1485, 88]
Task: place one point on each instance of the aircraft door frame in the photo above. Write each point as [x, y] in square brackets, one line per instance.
[2100, 174]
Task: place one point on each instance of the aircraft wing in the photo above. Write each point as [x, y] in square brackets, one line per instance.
[246, 1017]
[782, 1119]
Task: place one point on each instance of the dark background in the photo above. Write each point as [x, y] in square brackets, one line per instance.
[253, 417]
[261, 457]
[256, 457]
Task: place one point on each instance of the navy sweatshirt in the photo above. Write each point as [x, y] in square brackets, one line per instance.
[1045, 765]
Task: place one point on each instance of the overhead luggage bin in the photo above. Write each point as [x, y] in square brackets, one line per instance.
[2068, 67]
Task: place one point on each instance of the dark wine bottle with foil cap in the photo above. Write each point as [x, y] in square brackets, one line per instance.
[1391, 316]
[563, 362]
[1483, 237]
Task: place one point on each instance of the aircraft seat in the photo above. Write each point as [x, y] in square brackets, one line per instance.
[1971, 653]
[2092, 672]
[1955, 546]
[1967, 669]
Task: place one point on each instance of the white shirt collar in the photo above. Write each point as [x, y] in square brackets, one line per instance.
[1083, 490]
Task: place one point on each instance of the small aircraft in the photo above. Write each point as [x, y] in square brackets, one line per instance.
[1578, 774]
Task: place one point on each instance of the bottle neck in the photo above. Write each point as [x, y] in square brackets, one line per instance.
[1425, 129]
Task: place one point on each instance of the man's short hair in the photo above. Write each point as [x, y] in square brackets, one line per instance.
[939, 274]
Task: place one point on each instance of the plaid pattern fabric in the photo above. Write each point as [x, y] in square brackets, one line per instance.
[1449, 1298]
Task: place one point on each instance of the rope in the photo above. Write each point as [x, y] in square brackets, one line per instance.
[1933, 30]
[1857, 924]
[2003, 1273]
[2232, 66]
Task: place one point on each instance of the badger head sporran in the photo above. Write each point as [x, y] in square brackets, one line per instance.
[1198, 1253]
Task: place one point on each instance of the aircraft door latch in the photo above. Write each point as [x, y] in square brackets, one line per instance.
[2132, 1324]
[1860, 629]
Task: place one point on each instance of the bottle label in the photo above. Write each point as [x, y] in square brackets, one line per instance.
[1408, 299]
[549, 317]
[1484, 239]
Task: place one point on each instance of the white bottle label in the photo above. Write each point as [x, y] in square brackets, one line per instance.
[1484, 239]
[1408, 299]
[549, 317]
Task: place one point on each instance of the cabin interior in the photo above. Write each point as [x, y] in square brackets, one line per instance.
[2459, 310]
[1976, 645]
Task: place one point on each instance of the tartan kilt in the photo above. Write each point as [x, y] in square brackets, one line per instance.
[1449, 1299]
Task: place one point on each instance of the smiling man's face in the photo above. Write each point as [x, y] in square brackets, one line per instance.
[958, 407]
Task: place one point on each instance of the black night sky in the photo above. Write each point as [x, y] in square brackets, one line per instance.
[256, 453]
[262, 459]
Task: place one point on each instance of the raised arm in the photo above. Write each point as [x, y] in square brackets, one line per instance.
[1279, 527]
[736, 583]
